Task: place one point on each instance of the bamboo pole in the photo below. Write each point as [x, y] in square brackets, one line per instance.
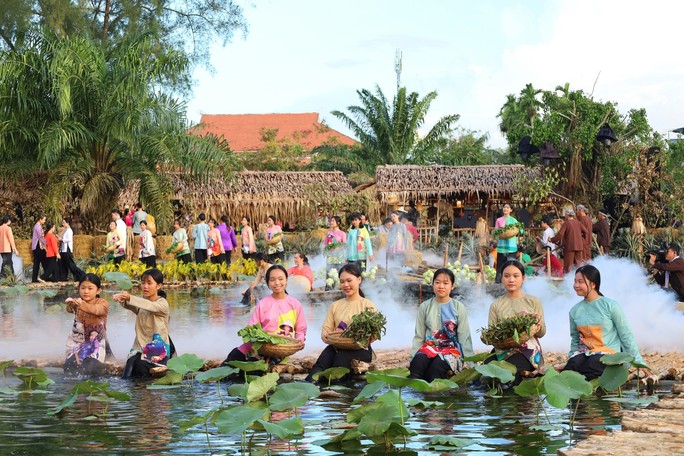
[548, 262]
[482, 273]
[460, 251]
[446, 256]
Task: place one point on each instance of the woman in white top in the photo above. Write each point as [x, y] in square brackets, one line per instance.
[66, 253]
[148, 254]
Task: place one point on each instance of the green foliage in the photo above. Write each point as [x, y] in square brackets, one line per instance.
[96, 120]
[511, 327]
[255, 335]
[565, 386]
[95, 391]
[389, 133]
[276, 154]
[366, 327]
[466, 148]
[570, 120]
[332, 373]
[613, 377]
[186, 363]
[32, 377]
[495, 371]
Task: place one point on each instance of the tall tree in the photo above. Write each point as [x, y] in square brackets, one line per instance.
[187, 27]
[389, 133]
[570, 120]
[93, 120]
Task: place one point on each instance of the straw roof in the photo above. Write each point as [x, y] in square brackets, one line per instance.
[289, 195]
[413, 182]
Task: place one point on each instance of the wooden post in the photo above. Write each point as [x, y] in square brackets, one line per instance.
[484, 277]
[548, 262]
[460, 251]
[446, 256]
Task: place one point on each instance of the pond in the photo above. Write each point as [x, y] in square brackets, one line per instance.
[35, 326]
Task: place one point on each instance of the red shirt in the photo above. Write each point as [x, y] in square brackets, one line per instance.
[52, 246]
[303, 271]
[413, 230]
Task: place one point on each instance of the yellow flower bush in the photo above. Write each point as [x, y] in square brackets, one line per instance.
[175, 271]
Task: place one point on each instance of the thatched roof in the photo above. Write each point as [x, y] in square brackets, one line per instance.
[412, 182]
[288, 195]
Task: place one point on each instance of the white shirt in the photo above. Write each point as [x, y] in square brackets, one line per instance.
[146, 244]
[121, 229]
[67, 240]
[548, 234]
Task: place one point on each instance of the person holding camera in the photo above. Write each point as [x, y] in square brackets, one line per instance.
[670, 274]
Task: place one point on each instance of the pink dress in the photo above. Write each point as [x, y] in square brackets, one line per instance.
[271, 313]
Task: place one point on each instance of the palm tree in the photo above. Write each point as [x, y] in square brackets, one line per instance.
[93, 120]
[390, 133]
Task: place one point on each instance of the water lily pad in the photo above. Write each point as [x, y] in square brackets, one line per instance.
[477, 358]
[419, 403]
[449, 441]
[333, 373]
[156, 386]
[189, 362]
[236, 420]
[613, 377]
[441, 384]
[250, 366]
[633, 400]
[284, 429]
[616, 358]
[565, 386]
[124, 284]
[113, 276]
[291, 395]
[466, 376]
[217, 374]
[262, 385]
[368, 391]
[397, 381]
[492, 370]
[171, 378]
[530, 387]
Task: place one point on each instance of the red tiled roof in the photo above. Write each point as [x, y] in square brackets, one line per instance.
[242, 131]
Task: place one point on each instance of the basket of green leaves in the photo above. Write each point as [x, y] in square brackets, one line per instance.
[270, 345]
[365, 328]
[508, 231]
[510, 332]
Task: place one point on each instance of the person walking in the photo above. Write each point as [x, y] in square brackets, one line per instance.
[7, 246]
[51, 254]
[66, 252]
[227, 237]
[199, 235]
[570, 236]
[179, 245]
[506, 249]
[602, 230]
[38, 247]
[585, 220]
[138, 216]
[148, 254]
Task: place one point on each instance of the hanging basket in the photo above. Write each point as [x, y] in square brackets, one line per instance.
[281, 351]
[344, 343]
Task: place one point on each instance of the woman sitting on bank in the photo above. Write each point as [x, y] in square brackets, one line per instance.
[302, 269]
[597, 327]
[528, 356]
[272, 312]
[152, 346]
[442, 337]
[339, 317]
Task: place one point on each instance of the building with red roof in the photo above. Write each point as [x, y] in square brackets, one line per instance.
[244, 132]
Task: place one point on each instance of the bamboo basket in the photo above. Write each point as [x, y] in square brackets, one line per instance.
[281, 351]
[509, 343]
[509, 233]
[344, 343]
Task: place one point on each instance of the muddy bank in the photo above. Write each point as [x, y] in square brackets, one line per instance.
[666, 366]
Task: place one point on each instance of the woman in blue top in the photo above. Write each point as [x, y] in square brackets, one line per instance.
[359, 248]
[597, 327]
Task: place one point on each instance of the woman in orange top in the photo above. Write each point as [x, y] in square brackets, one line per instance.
[51, 255]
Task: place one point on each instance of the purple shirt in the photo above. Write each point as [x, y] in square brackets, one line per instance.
[37, 237]
[227, 237]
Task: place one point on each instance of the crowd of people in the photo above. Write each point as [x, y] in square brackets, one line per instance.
[442, 338]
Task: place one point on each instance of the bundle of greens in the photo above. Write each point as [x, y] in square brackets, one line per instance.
[366, 327]
[257, 337]
[510, 328]
[499, 232]
[172, 248]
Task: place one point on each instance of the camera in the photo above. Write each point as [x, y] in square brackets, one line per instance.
[659, 253]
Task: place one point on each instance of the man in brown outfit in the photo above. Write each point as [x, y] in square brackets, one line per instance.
[570, 237]
[585, 220]
[602, 230]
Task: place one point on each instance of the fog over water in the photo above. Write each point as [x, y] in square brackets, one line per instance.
[33, 326]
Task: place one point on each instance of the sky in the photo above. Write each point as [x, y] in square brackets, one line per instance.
[312, 56]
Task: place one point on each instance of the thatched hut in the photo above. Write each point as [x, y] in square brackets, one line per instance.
[461, 193]
[289, 195]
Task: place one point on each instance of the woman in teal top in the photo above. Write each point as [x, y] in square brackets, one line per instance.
[442, 337]
[597, 327]
[359, 246]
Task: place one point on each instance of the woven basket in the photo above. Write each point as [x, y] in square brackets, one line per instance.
[344, 343]
[281, 351]
[509, 233]
[510, 342]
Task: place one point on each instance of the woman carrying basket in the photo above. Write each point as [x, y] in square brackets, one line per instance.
[506, 247]
[338, 318]
[527, 356]
[274, 311]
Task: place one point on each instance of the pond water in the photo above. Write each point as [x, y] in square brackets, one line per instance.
[149, 423]
[35, 326]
